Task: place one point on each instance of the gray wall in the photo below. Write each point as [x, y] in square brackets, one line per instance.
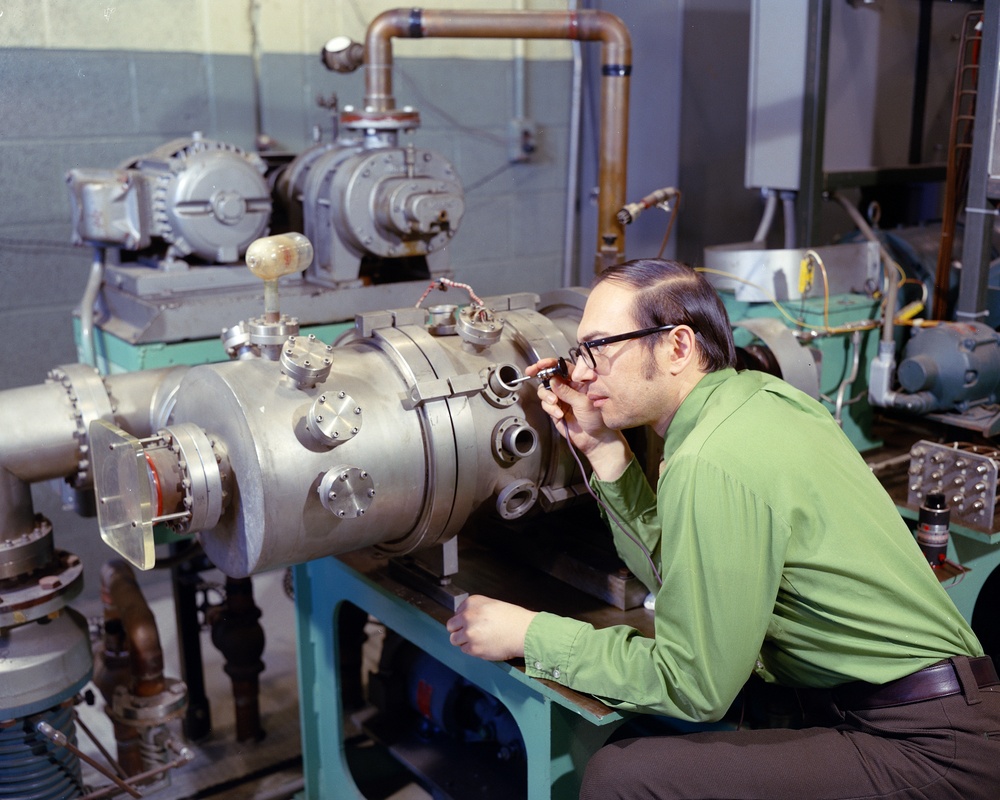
[65, 109]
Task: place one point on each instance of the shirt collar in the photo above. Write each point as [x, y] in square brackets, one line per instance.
[689, 412]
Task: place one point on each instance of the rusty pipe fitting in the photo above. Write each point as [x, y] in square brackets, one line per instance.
[124, 601]
[130, 655]
[584, 25]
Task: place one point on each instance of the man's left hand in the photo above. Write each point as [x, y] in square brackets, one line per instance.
[490, 629]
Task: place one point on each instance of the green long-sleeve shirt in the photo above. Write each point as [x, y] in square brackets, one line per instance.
[780, 553]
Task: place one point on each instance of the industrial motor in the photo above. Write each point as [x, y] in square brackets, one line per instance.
[189, 197]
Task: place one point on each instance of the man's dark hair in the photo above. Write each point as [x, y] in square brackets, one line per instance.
[669, 292]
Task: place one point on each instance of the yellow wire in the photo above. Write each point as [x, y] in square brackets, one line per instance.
[774, 301]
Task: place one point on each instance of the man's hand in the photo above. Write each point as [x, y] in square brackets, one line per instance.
[576, 419]
[490, 629]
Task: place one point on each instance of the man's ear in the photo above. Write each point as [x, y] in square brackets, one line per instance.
[683, 349]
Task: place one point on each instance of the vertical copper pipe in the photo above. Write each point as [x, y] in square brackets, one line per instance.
[586, 25]
[130, 635]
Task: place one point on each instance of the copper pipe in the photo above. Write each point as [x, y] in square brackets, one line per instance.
[963, 106]
[131, 654]
[586, 25]
[123, 599]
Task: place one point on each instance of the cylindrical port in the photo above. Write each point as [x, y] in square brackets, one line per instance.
[514, 439]
[516, 499]
[441, 319]
[502, 379]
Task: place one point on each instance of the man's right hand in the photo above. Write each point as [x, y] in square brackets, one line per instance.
[576, 419]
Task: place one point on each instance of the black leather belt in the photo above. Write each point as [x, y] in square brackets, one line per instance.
[937, 680]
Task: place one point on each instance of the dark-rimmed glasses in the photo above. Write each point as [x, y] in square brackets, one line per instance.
[587, 350]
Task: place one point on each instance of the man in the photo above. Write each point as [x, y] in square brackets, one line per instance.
[772, 549]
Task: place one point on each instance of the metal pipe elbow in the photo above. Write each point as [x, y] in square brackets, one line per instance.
[123, 598]
[378, 55]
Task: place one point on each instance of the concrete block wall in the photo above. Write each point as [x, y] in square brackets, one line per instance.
[89, 84]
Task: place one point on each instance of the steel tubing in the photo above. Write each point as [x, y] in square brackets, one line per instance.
[43, 435]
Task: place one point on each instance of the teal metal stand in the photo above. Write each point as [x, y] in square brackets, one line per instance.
[560, 728]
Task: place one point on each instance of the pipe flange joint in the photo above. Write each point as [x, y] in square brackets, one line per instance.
[263, 333]
[24, 553]
[236, 339]
[204, 464]
[391, 119]
[152, 711]
[346, 492]
[516, 499]
[334, 418]
[306, 360]
[89, 400]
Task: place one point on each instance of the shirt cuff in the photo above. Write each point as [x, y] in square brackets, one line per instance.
[549, 644]
[628, 491]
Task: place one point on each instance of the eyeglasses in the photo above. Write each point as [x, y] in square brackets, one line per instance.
[588, 351]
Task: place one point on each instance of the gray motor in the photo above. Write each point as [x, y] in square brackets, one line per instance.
[950, 366]
[188, 197]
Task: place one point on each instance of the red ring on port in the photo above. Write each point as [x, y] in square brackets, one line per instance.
[156, 484]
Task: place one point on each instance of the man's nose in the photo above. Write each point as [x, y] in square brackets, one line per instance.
[582, 371]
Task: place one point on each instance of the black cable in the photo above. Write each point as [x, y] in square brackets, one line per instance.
[607, 510]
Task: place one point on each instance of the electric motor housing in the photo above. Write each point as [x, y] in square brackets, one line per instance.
[955, 365]
[191, 197]
[360, 201]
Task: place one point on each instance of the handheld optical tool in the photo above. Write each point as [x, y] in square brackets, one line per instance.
[545, 375]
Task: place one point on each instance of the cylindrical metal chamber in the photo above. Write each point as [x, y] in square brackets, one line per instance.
[393, 437]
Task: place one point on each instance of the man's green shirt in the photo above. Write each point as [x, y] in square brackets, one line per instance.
[780, 553]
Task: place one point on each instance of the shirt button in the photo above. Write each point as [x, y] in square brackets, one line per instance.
[758, 666]
[538, 665]
[555, 673]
